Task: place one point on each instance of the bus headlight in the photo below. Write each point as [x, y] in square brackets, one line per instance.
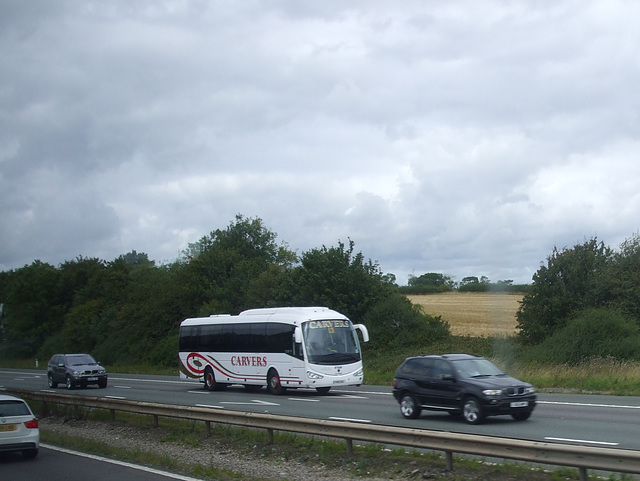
[359, 372]
[314, 375]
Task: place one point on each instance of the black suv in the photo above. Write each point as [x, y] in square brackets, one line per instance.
[460, 384]
[75, 370]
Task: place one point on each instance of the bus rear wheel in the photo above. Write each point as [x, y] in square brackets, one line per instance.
[274, 386]
[210, 383]
[323, 390]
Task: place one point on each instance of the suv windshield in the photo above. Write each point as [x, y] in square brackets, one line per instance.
[467, 368]
[80, 359]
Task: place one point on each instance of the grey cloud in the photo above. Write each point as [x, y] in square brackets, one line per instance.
[453, 137]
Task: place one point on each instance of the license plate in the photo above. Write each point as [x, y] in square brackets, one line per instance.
[8, 427]
[338, 382]
[92, 379]
[519, 404]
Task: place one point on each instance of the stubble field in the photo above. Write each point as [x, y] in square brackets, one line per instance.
[477, 314]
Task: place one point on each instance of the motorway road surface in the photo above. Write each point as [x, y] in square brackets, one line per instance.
[55, 464]
[590, 420]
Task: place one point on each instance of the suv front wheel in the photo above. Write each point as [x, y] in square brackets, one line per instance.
[521, 416]
[52, 383]
[472, 411]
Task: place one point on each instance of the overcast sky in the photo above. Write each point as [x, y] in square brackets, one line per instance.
[462, 137]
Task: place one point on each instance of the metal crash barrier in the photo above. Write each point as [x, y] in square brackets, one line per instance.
[580, 457]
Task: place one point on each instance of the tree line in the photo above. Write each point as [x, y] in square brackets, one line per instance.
[435, 283]
[584, 302]
[128, 310]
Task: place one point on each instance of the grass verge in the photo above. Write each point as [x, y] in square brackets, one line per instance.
[300, 453]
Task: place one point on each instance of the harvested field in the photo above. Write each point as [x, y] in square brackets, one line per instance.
[478, 314]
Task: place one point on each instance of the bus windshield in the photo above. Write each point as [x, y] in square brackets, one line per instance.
[331, 342]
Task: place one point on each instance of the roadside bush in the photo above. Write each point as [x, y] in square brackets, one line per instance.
[592, 333]
[164, 353]
[397, 323]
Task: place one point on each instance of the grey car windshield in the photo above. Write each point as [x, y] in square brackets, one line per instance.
[468, 368]
[80, 360]
[331, 342]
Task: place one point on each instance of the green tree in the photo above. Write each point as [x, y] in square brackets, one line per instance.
[473, 284]
[573, 279]
[228, 261]
[431, 279]
[33, 308]
[625, 277]
[339, 278]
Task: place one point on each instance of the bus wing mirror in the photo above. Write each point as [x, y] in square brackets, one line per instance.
[365, 333]
[297, 335]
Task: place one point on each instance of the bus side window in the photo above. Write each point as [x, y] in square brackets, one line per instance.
[297, 347]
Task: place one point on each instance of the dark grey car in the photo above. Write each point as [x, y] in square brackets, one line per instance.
[75, 370]
[460, 384]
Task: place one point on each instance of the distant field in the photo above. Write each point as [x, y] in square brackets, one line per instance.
[477, 314]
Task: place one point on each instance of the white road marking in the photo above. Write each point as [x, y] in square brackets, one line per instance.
[304, 400]
[209, 406]
[589, 405]
[265, 403]
[384, 393]
[122, 387]
[116, 397]
[351, 420]
[351, 396]
[252, 403]
[583, 441]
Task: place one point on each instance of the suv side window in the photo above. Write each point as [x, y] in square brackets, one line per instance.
[442, 368]
[427, 368]
[414, 368]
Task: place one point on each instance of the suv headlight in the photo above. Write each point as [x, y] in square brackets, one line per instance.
[77, 373]
[314, 375]
[530, 390]
[492, 392]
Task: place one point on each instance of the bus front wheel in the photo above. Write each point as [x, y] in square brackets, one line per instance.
[273, 382]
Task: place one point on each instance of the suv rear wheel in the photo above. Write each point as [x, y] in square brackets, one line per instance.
[409, 407]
